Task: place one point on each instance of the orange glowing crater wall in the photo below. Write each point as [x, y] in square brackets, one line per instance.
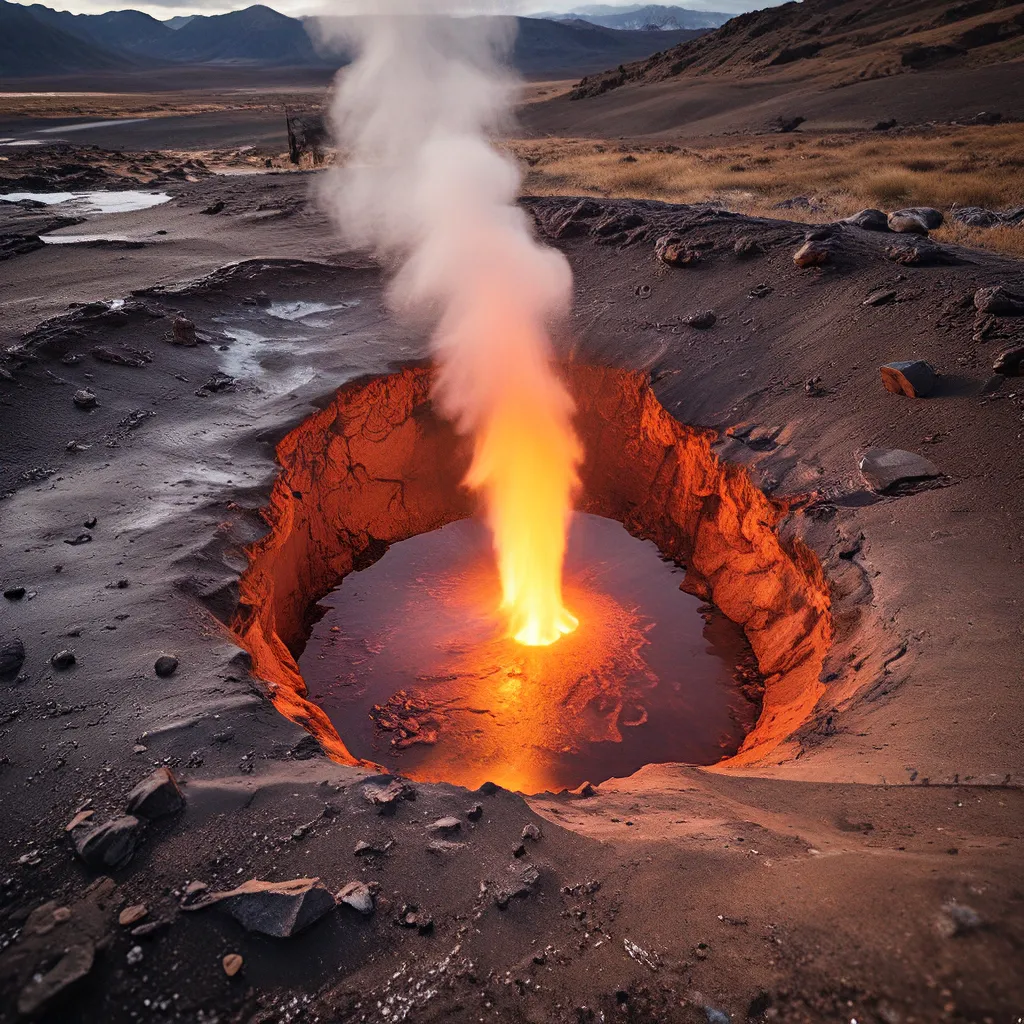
[378, 466]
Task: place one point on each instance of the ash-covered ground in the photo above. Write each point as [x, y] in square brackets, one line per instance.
[869, 869]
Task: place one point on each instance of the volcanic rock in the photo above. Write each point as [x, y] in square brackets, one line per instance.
[356, 895]
[701, 321]
[216, 382]
[63, 659]
[869, 220]
[412, 917]
[976, 217]
[280, 909]
[883, 468]
[998, 301]
[531, 831]
[44, 990]
[107, 355]
[110, 845]
[132, 915]
[880, 298]
[907, 223]
[12, 656]
[156, 796]
[671, 250]
[84, 399]
[922, 254]
[213, 208]
[927, 215]
[747, 248]
[387, 798]
[14, 593]
[476, 812]
[1010, 362]
[165, 665]
[812, 254]
[183, 331]
[957, 919]
[915, 379]
[445, 826]
[443, 847]
[520, 885]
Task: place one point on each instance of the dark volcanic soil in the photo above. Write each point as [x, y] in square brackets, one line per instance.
[869, 869]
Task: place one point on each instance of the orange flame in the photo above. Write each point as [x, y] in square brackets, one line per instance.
[524, 462]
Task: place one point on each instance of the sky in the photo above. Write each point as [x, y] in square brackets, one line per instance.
[170, 8]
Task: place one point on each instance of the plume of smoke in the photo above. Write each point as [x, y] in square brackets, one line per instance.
[422, 185]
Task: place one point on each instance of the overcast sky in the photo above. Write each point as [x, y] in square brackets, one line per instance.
[170, 8]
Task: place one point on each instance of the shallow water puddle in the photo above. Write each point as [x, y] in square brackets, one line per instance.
[410, 663]
[97, 202]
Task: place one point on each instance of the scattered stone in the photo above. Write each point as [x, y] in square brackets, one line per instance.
[280, 909]
[476, 812]
[760, 291]
[519, 851]
[78, 819]
[746, 248]
[132, 915]
[194, 888]
[671, 251]
[387, 798]
[785, 125]
[12, 657]
[412, 917]
[957, 919]
[796, 203]
[212, 209]
[82, 538]
[149, 929]
[976, 217]
[110, 845]
[907, 224]
[14, 593]
[214, 384]
[356, 895]
[813, 387]
[923, 254]
[880, 298]
[364, 849]
[183, 332]
[915, 379]
[445, 826]
[927, 215]
[156, 796]
[885, 126]
[812, 254]
[701, 321]
[531, 831]
[232, 963]
[84, 399]
[108, 355]
[520, 885]
[998, 301]
[44, 990]
[869, 220]
[714, 1016]
[884, 468]
[1010, 362]
[166, 665]
[135, 956]
[63, 659]
[443, 847]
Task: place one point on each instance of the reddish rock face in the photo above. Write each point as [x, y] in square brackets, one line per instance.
[378, 466]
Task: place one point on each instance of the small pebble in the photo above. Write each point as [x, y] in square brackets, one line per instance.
[232, 964]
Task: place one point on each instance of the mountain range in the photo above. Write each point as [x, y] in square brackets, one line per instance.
[638, 17]
[37, 41]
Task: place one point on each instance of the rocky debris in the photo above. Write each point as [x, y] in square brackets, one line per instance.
[915, 379]
[747, 248]
[760, 291]
[882, 297]
[232, 962]
[63, 659]
[110, 845]
[132, 915]
[412, 917]
[521, 884]
[957, 919]
[183, 332]
[476, 812]
[156, 796]
[715, 1016]
[885, 468]
[356, 895]
[14, 593]
[107, 355]
[214, 208]
[998, 301]
[921, 254]
[927, 215]
[78, 819]
[701, 321]
[573, 222]
[135, 956]
[215, 383]
[84, 399]
[798, 203]
[12, 657]
[671, 250]
[44, 990]
[785, 125]
[166, 665]
[1010, 362]
[150, 928]
[531, 831]
[979, 217]
[365, 849]
[885, 126]
[280, 909]
[869, 220]
[81, 538]
[443, 847]
[444, 826]
[907, 223]
[813, 254]
[386, 798]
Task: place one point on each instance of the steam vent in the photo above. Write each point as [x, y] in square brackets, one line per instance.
[512, 520]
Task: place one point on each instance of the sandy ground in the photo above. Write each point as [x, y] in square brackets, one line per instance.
[870, 870]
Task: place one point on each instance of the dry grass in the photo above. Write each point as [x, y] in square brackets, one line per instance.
[840, 174]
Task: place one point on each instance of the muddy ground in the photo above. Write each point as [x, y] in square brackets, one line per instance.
[869, 869]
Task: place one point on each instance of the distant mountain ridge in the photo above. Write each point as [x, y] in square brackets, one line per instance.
[638, 17]
[38, 41]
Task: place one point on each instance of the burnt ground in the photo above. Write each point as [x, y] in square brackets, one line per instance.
[869, 870]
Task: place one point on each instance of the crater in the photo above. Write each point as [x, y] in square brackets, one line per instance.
[703, 638]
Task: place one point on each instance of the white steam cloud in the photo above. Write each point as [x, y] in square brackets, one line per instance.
[420, 182]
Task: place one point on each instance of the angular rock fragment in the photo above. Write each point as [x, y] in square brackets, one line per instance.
[280, 909]
[156, 796]
[928, 216]
[881, 297]
[521, 883]
[869, 220]
[45, 990]
[884, 468]
[12, 657]
[907, 223]
[443, 847]
[14, 593]
[998, 301]
[531, 831]
[63, 659]
[976, 217]
[1010, 362]
[84, 399]
[747, 248]
[671, 250]
[183, 331]
[920, 254]
[476, 812]
[110, 845]
[356, 895]
[915, 379]
[412, 917]
[812, 254]
[386, 798]
[701, 321]
[445, 826]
